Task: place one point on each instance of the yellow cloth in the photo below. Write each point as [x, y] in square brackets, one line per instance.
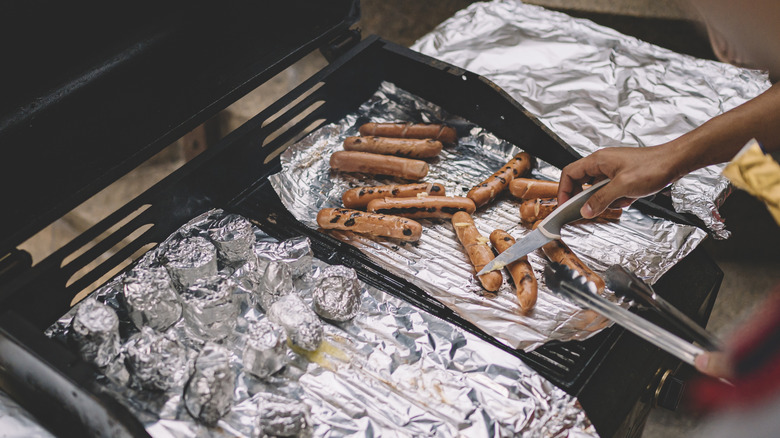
[758, 174]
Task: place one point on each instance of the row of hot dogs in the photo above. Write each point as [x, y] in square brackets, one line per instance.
[389, 211]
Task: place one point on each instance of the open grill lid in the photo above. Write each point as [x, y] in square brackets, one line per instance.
[91, 91]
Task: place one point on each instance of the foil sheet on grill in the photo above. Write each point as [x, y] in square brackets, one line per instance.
[392, 370]
[596, 87]
[437, 263]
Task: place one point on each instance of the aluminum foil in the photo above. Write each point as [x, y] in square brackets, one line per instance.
[337, 294]
[209, 392]
[16, 422]
[190, 259]
[276, 282]
[151, 298]
[393, 370]
[234, 239]
[157, 362]
[596, 87]
[437, 263]
[265, 352]
[303, 327]
[210, 308]
[95, 331]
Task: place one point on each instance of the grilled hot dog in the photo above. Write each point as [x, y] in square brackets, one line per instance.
[526, 188]
[350, 161]
[477, 249]
[441, 207]
[485, 191]
[559, 252]
[402, 147]
[359, 197]
[521, 271]
[443, 133]
[533, 210]
[369, 223]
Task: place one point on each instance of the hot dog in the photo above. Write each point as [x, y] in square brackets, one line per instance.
[559, 252]
[439, 207]
[521, 271]
[369, 223]
[402, 147]
[533, 210]
[484, 192]
[443, 133]
[526, 188]
[350, 161]
[359, 197]
[477, 249]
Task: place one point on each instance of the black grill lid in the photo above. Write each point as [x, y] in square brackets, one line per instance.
[89, 91]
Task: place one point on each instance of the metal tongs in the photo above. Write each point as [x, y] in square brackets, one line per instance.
[571, 286]
[626, 283]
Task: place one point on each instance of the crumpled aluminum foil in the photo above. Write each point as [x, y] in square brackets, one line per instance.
[234, 240]
[437, 263]
[190, 259]
[303, 326]
[596, 87]
[393, 370]
[156, 361]
[265, 351]
[209, 392]
[337, 294]
[210, 308]
[95, 331]
[151, 298]
[16, 422]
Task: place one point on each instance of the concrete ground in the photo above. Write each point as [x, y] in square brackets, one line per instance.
[750, 259]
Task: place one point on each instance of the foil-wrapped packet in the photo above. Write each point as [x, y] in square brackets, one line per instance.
[233, 237]
[281, 416]
[210, 308]
[156, 361]
[265, 351]
[190, 259]
[276, 282]
[296, 252]
[95, 331]
[337, 294]
[151, 298]
[209, 392]
[303, 327]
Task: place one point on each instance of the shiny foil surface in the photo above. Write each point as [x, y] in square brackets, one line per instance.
[95, 330]
[437, 263]
[596, 87]
[392, 370]
[151, 298]
[337, 294]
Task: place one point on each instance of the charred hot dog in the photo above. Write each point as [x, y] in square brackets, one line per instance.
[521, 271]
[485, 191]
[359, 197]
[443, 133]
[364, 162]
[402, 147]
[477, 249]
[431, 207]
[369, 223]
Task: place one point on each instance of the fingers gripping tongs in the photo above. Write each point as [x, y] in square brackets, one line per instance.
[571, 286]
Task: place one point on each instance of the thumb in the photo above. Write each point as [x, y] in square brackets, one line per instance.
[714, 364]
[600, 200]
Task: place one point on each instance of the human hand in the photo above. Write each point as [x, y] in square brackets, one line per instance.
[634, 172]
[715, 364]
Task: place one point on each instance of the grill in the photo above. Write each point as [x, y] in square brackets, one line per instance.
[140, 92]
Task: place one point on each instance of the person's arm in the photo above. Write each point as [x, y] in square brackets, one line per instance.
[637, 172]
